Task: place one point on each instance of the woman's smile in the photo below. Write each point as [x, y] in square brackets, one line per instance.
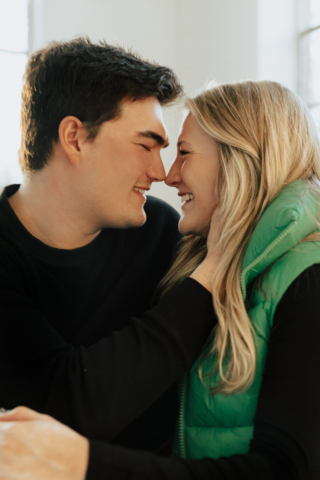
[186, 198]
[194, 174]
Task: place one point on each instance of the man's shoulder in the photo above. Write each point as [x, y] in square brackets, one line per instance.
[160, 231]
[160, 213]
[12, 251]
[10, 247]
[13, 265]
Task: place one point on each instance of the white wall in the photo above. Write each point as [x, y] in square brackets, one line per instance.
[225, 40]
[146, 25]
[216, 39]
[277, 42]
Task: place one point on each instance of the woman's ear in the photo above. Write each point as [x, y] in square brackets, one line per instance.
[71, 136]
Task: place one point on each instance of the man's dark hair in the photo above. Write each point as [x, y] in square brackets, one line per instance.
[86, 80]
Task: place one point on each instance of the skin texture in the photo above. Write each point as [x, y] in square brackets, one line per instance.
[88, 184]
[37, 447]
[195, 171]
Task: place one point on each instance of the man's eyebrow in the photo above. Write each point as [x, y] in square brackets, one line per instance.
[155, 136]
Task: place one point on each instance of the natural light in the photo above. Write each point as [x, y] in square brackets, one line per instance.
[13, 58]
[314, 13]
[309, 87]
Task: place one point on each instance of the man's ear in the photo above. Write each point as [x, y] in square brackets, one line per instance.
[72, 133]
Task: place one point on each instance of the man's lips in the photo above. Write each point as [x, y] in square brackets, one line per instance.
[141, 191]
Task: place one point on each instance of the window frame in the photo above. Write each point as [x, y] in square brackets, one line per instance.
[9, 170]
[303, 31]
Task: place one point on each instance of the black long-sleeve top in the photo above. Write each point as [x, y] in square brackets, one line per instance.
[74, 342]
[286, 441]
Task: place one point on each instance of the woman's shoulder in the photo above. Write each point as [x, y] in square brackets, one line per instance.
[303, 293]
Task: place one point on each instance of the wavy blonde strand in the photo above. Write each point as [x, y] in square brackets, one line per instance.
[266, 140]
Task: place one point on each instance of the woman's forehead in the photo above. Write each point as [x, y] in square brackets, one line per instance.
[185, 127]
[191, 130]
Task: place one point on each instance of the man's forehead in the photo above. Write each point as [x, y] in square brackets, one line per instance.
[146, 108]
[143, 117]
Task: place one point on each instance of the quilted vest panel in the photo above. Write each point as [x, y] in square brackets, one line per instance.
[219, 425]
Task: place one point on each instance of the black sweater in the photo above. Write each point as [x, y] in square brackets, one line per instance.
[71, 344]
[286, 441]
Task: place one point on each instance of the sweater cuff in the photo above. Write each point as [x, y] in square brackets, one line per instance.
[115, 462]
[96, 464]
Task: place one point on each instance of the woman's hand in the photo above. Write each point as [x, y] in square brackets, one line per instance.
[205, 271]
[37, 447]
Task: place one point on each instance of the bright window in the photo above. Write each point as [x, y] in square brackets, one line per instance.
[13, 59]
[309, 56]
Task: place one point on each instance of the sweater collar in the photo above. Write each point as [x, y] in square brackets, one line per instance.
[285, 222]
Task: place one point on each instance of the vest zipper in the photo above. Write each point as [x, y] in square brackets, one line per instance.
[182, 446]
[262, 256]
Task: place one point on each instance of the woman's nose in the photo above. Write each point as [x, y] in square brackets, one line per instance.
[174, 176]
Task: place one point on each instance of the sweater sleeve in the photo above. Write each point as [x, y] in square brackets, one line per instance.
[286, 440]
[98, 390]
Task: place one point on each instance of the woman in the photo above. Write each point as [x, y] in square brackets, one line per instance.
[248, 173]
[267, 189]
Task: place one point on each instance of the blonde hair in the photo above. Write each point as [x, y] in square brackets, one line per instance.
[266, 139]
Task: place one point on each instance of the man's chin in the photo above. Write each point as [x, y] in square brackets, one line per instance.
[135, 224]
[126, 220]
[134, 221]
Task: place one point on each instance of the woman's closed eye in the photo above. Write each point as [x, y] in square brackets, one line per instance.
[183, 152]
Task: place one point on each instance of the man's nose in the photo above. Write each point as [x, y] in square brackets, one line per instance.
[174, 176]
[156, 171]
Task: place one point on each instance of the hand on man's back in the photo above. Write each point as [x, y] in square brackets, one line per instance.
[37, 447]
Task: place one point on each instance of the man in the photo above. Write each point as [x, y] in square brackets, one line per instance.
[74, 267]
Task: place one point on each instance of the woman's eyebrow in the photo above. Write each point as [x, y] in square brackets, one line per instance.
[183, 141]
[162, 142]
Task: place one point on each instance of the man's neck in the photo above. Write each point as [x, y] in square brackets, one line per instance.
[47, 210]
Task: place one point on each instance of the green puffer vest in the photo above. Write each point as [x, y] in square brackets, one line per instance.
[219, 425]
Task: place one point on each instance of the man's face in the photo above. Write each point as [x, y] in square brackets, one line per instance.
[123, 159]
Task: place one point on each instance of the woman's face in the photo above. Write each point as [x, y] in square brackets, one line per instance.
[194, 174]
